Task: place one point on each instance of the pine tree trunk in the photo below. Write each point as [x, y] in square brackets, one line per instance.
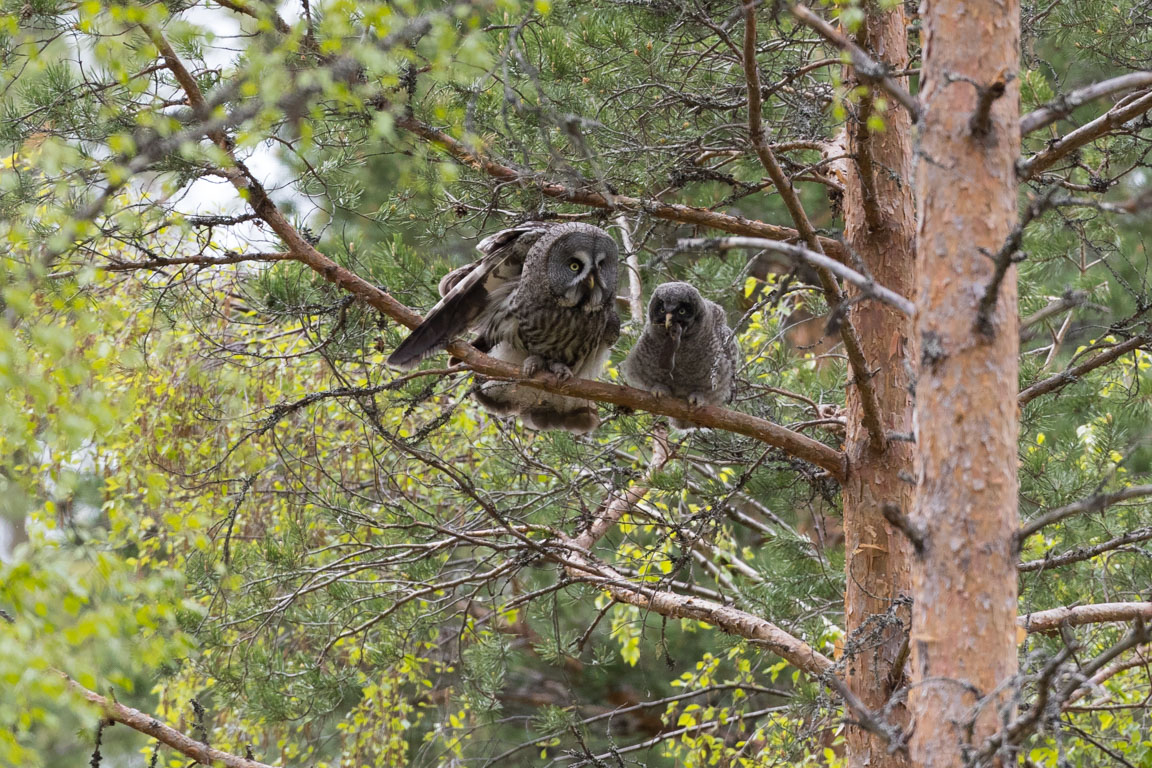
[880, 229]
[964, 582]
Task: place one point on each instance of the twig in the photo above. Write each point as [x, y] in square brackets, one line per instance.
[684, 214]
[1069, 300]
[1006, 257]
[617, 505]
[981, 121]
[867, 285]
[900, 522]
[1107, 673]
[1062, 106]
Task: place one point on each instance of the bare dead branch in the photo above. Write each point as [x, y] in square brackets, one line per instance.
[581, 566]
[1086, 553]
[1109, 121]
[986, 95]
[1064, 105]
[902, 523]
[867, 69]
[1066, 377]
[1008, 255]
[1098, 613]
[867, 285]
[149, 725]
[1096, 503]
[632, 261]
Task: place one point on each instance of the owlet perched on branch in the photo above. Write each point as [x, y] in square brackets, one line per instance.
[686, 350]
[542, 297]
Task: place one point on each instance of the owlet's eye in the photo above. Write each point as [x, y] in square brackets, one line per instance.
[682, 311]
[574, 265]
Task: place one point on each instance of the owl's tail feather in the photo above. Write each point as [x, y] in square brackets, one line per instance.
[542, 418]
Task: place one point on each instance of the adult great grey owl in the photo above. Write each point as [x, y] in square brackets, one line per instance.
[542, 297]
[686, 350]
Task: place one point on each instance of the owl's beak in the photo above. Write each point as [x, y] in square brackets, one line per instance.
[668, 321]
[591, 280]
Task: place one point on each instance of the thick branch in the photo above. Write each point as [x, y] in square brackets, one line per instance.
[147, 724]
[668, 211]
[1047, 621]
[1095, 503]
[1081, 554]
[1109, 121]
[861, 374]
[867, 285]
[1064, 105]
[1066, 377]
[867, 69]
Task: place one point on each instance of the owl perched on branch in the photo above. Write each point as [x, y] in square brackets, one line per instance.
[686, 350]
[542, 297]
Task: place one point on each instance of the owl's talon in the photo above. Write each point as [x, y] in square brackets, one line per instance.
[532, 365]
[560, 371]
[661, 391]
[695, 399]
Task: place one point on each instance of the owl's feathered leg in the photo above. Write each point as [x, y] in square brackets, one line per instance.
[580, 421]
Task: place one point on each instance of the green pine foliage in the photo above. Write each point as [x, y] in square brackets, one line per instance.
[218, 492]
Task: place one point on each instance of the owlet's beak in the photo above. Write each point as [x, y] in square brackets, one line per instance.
[668, 321]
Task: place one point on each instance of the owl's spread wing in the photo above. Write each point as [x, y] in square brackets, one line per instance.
[467, 292]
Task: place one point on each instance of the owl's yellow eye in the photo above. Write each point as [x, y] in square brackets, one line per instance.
[682, 311]
[574, 266]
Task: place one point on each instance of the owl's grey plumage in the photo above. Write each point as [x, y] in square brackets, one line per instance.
[686, 350]
[542, 297]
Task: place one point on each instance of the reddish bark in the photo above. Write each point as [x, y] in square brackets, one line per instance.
[879, 226]
[964, 583]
